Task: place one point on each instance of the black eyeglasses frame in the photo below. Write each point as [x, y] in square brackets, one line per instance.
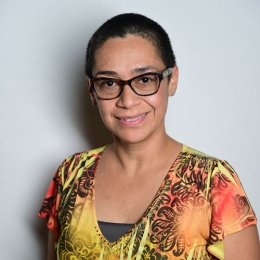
[121, 83]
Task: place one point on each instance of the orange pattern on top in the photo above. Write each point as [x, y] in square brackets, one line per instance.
[199, 202]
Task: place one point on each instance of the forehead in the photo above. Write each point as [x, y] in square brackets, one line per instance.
[130, 52]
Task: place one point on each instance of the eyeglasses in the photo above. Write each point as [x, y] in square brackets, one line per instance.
[146, 84]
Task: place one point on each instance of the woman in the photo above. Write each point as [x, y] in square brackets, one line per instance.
[145, 196]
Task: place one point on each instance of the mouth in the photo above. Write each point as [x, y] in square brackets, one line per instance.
[132, 120]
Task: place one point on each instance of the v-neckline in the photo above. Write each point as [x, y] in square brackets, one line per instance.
[147, 211]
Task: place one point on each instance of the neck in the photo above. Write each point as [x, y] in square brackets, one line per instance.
[133, 156]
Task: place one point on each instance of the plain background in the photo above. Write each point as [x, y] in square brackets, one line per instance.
[46, 113]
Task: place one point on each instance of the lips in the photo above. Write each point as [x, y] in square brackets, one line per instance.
[132, 120]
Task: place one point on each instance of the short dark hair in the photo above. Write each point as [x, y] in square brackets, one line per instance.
[135, 24]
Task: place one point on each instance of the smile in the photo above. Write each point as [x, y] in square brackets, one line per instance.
[132, 120]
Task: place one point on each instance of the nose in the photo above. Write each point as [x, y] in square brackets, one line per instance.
[128, 98]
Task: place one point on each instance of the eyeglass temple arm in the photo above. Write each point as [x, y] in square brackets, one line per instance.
[167, 72]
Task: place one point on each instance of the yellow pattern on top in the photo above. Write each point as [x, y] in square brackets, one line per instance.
[199, 202]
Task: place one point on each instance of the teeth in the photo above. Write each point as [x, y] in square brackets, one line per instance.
[133, 119]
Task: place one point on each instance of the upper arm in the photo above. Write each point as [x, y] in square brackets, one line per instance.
[51, 248]
[232, 217]
[242, 245]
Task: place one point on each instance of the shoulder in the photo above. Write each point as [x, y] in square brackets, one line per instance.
[73, 166]
[196, 158]
[199, 155]
[197, 161]
[82, 159]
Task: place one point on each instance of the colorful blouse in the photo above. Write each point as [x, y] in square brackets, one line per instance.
[199, 202]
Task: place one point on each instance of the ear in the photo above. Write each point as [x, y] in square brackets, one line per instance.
[173, 81]
[91, 92]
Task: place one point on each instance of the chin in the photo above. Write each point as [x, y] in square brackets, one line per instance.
[133, 137]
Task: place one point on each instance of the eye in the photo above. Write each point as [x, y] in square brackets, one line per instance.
[106, 83]
[146, 79]
[109, 83]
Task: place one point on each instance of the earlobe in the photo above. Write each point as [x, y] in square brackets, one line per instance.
[92, 97]
[173, 93]
[93, 100]
[173, 81]
[88, 82]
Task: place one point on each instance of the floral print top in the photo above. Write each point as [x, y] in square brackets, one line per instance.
[199, 202]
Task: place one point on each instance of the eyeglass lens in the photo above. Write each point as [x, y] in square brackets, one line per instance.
[143, 85]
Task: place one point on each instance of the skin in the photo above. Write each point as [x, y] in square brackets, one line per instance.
[51, 250]
[131, 156]
[134, 139]
[242, 245]
[136, 56]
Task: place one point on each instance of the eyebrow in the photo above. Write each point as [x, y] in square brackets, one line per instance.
[144, 69]
[135, 71]
[106, 72]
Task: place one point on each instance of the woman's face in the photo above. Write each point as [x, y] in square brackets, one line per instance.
[130, 117]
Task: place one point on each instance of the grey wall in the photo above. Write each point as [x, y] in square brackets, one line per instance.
[46, 113]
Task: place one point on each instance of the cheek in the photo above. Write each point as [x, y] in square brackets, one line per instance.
[104, 111]
[159, 101]
[105, 119]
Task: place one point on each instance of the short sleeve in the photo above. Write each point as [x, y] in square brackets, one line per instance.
[231, 209]
[62, 185]
[50, 204]
[52, 200]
